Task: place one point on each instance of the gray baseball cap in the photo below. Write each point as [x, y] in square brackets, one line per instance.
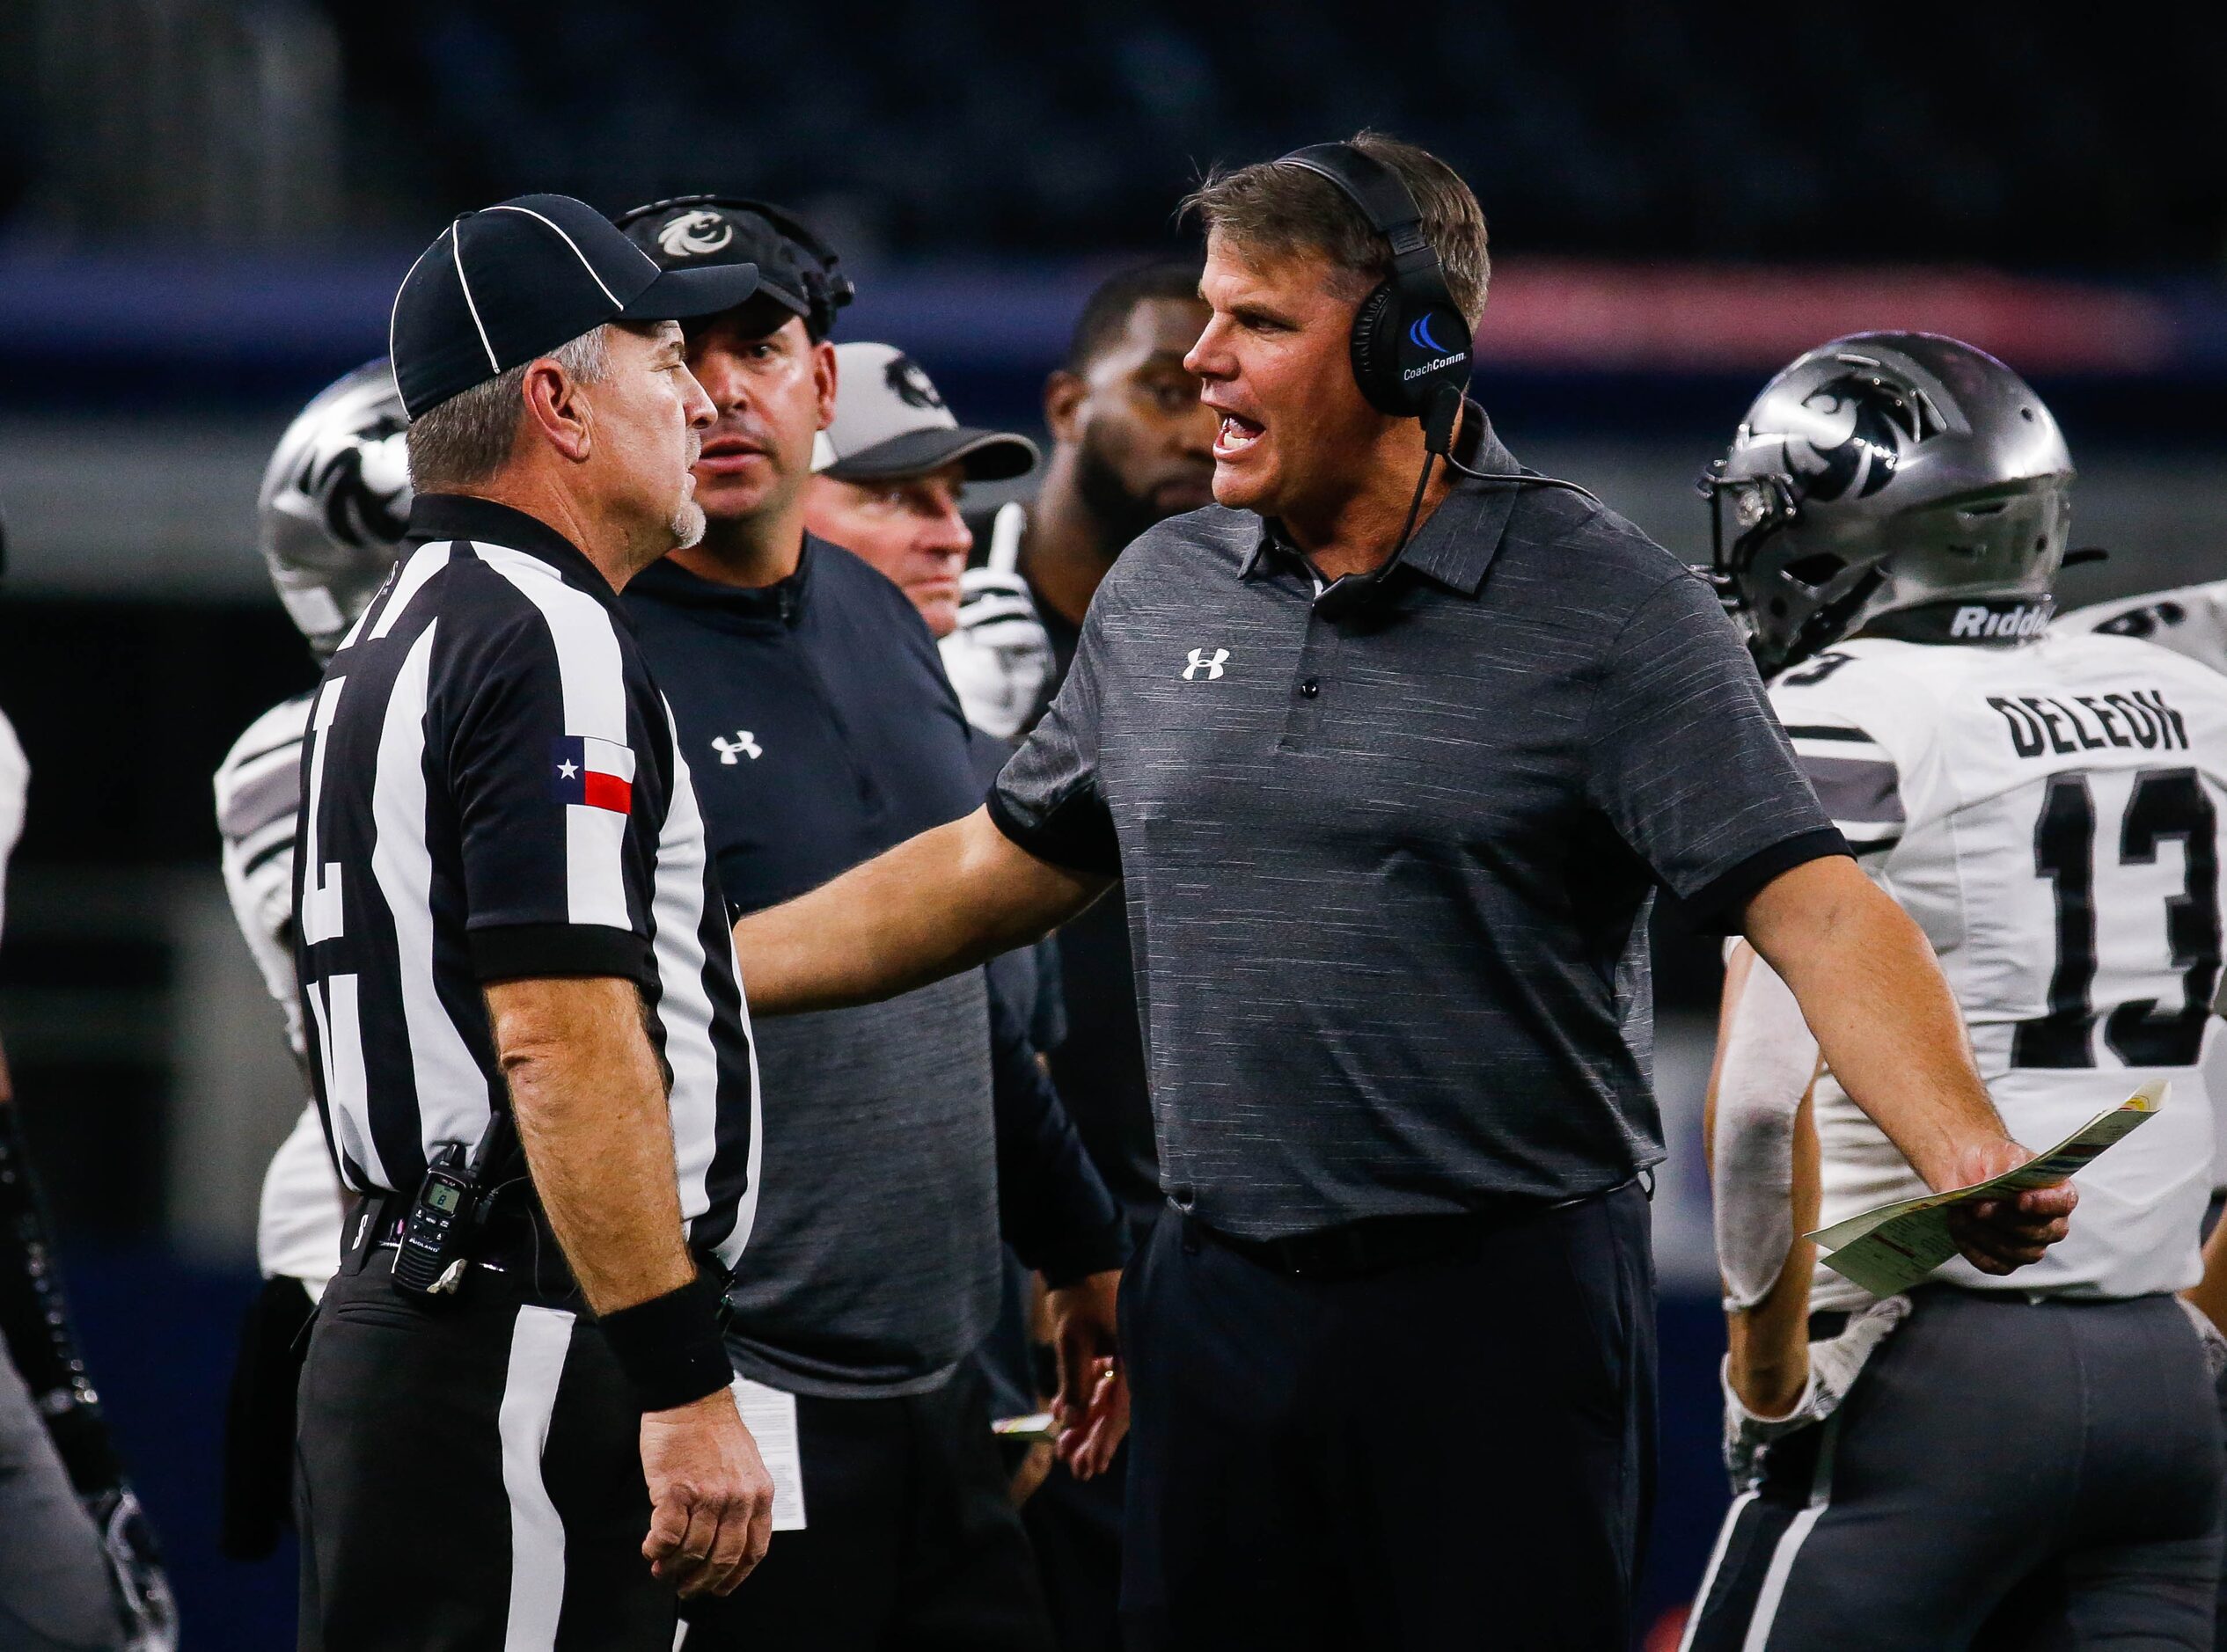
[889, 422]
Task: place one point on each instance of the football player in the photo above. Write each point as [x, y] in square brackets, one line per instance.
[79, 1567]
[334, 498]
[1891, 519]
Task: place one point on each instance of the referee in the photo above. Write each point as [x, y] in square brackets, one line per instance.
[1390, 758]
[508, 933]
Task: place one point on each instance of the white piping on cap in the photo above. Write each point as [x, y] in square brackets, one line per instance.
[456, 246]
[569, 241]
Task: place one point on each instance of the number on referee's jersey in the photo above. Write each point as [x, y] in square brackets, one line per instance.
[2166, 803]
[322, 918]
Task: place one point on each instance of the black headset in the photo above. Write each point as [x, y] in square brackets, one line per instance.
[1410, 345]
[826, 288]
[1410, 342]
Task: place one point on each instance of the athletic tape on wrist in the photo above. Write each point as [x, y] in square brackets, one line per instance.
[669, 1346]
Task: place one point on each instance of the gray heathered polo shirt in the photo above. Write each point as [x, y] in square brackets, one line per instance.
[1388, 877]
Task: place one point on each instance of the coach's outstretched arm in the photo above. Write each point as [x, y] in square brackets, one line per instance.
[948, 900]
[1873, 993]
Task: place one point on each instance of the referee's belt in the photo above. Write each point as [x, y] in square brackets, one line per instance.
[514, 1238]
[1383, 1244]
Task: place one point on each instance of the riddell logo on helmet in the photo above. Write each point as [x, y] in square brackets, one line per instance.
[1975, 620]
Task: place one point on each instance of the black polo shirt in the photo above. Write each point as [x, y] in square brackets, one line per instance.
[902, 1137]
[1387, 877]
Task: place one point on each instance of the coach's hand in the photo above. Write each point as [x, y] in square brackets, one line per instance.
[1091, 1410]
[711, 1501]
[1999, 1236]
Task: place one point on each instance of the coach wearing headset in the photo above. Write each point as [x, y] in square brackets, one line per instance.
[1391, 751]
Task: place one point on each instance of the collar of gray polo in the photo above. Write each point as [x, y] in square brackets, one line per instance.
[1455, 546]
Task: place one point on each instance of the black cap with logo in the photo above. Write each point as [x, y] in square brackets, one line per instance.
[800, 272]
[512, 282]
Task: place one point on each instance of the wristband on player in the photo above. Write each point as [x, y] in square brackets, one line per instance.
[669, 1346]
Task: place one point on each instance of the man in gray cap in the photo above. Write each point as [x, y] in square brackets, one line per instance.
[890, 469]
[906, 1136]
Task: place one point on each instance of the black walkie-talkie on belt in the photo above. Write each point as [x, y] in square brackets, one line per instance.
[446, 1215]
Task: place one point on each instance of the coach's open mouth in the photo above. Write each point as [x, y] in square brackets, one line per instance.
[1237, 433]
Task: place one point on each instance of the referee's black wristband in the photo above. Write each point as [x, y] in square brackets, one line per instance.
[669, 1346]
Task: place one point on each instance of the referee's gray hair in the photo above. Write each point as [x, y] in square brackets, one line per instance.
[464, 441]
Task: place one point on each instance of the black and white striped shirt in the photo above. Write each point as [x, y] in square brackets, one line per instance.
[493, 793]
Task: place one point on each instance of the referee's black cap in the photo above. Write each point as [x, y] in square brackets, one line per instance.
[515, 281]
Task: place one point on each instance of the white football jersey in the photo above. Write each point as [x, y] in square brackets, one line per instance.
[258, 797]
[2050, 815]
[15, 784]
[2191, 621]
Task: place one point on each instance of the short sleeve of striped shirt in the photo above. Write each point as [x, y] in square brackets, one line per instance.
[541, 769]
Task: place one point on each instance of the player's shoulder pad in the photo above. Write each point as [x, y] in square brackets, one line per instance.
[1890, 690]
[2158, 653]
[260, 778]
[2150, 615]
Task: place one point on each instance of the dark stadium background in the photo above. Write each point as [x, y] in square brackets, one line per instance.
[205, 206]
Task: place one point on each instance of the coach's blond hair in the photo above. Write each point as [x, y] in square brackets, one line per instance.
[1273, 210]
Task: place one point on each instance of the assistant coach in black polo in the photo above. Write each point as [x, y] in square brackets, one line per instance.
[506, 914]
[1389, 808]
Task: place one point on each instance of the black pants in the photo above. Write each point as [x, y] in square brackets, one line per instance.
[1074, 1525]
[470, 1477]
[1450, 1455]
[259, 1420]
[2005, 1474]
[910, 1542]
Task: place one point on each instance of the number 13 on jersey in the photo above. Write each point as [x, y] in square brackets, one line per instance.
[2093, 866]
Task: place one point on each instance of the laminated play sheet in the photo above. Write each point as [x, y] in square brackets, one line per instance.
[1892, 1248]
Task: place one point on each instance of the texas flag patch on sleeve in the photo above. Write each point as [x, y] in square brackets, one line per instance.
[593, 773]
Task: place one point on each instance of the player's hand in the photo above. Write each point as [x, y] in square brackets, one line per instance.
[1091, 1409]
[711, 1501]
[1999, 1236]
[1000, 658]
